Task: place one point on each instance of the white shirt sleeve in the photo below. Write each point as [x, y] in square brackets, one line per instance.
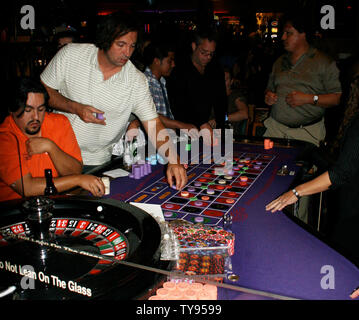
[145, 108]
[54, 72]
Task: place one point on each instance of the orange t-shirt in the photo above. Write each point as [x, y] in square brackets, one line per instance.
[55, 127]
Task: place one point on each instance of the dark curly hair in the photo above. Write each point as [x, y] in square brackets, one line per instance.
[18, 91]
[112, 26]
[157, 50]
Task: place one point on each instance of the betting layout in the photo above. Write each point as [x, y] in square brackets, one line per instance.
[210, 192]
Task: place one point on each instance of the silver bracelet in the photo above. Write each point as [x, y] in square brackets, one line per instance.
[296, 193]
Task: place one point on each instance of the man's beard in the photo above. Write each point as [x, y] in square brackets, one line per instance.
[33, 132]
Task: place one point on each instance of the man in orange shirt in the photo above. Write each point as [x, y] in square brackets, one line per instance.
[32, 140]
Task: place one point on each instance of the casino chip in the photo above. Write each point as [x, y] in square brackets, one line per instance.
[185, 194]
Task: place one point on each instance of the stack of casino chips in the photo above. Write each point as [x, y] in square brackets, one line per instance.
[199, 236]
[201, 262]
[184, 290]
[140, 169]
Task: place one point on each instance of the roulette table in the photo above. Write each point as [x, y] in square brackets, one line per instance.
[275, 257]
[274, 252]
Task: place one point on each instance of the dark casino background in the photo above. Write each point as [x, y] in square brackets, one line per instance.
[259, 260]
[241, 24]
[240, 19]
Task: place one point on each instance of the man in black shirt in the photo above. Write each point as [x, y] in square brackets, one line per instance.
[197, 86]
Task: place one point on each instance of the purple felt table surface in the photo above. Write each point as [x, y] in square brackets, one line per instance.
[272, 253]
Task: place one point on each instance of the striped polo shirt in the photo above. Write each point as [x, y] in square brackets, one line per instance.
[75, 73]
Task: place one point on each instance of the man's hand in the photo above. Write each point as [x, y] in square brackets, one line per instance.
[86, 113]
[192, 130]
[296, 98]
[132, 130]
[178, 173]
[174, 169]
[213, 123]
[208, 136]
[64, 163]
[38, 145]
[270, 98]
[93, 184]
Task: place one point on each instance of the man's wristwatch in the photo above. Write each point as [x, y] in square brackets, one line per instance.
[315, 100]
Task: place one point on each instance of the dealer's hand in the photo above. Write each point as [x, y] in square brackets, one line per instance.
[284, 200]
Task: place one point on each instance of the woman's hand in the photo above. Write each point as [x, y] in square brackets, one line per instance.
[284, 200]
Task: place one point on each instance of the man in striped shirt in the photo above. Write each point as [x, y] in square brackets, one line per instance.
[86, 79]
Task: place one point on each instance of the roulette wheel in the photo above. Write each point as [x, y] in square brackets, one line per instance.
[35, 232]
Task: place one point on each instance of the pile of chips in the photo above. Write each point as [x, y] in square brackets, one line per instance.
[203, 249]
[200, 263]
[200, 236]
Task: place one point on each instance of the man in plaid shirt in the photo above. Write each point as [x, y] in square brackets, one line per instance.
[159, 59]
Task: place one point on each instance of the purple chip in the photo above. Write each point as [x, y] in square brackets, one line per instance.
[142, 170]
[198, 219]
[137, 172]
[148, 165]
[145, 169]
[99, 116]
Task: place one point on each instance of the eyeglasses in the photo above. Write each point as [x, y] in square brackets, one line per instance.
[206, 53]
